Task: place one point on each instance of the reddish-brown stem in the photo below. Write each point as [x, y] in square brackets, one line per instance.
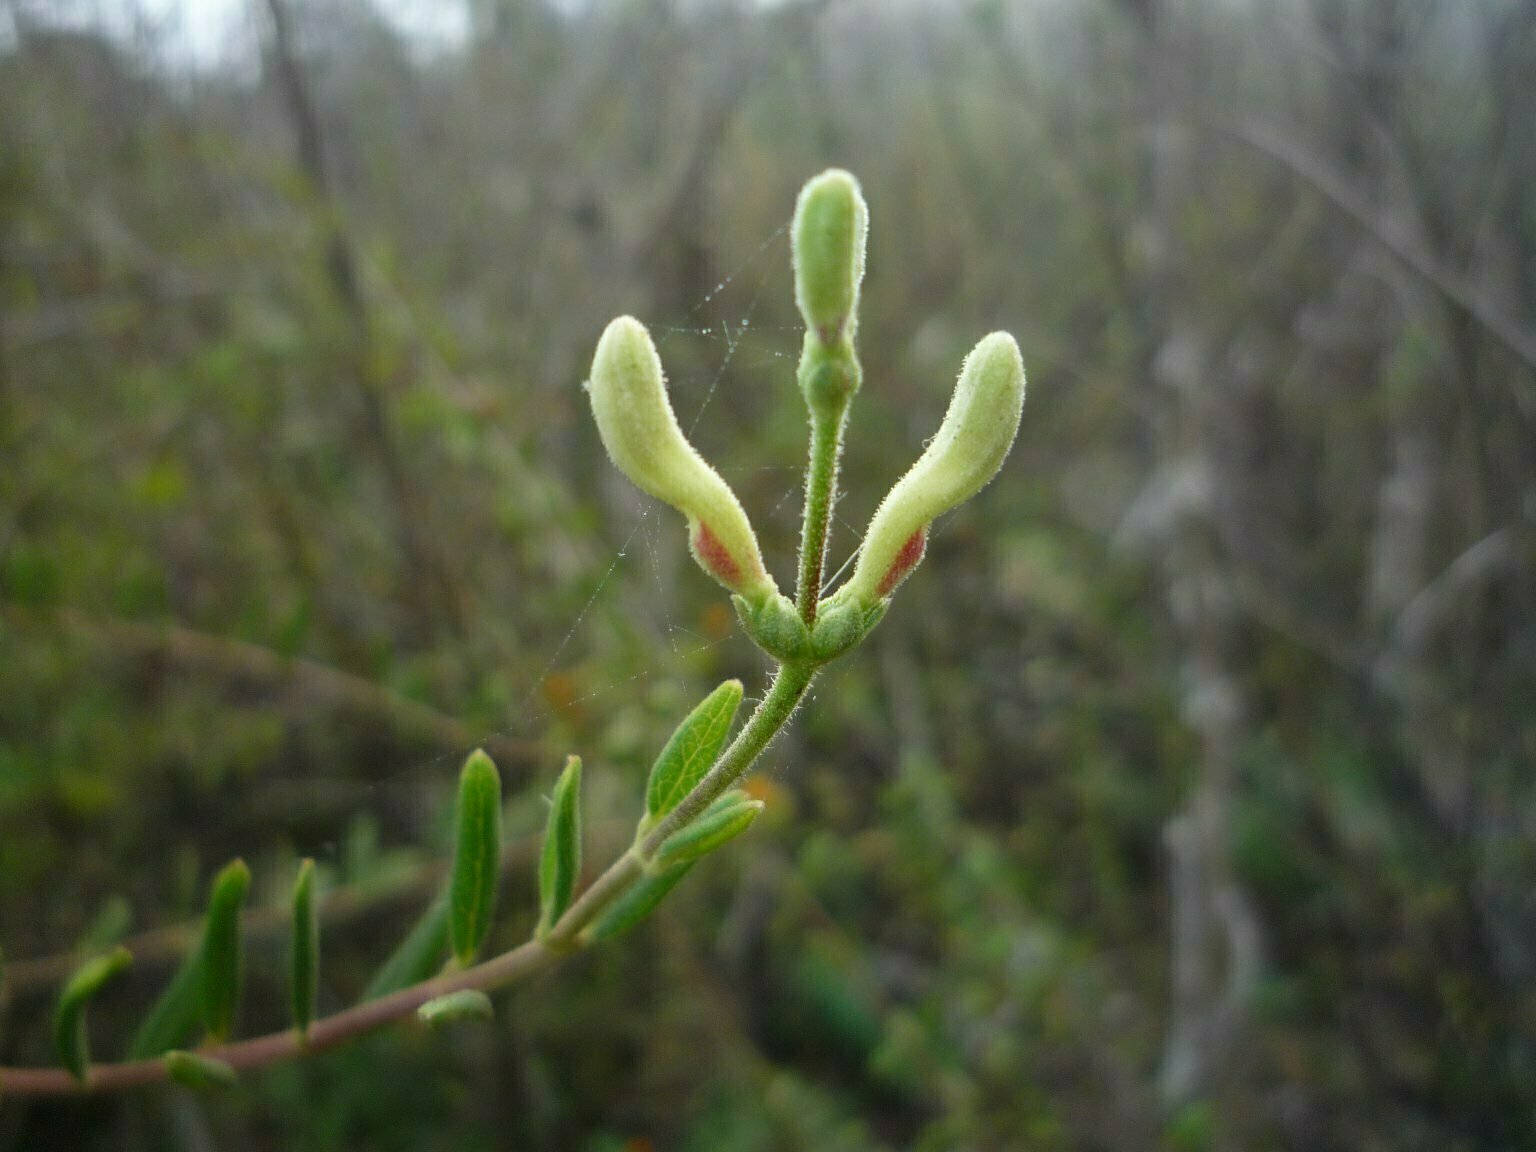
[518, 964]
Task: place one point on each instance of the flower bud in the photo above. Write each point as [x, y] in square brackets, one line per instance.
[827, 240]
[641, 434]
[970, 447]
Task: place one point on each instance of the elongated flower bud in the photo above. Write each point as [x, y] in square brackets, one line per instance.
[641, 434]
[828, 239]
[970, 447]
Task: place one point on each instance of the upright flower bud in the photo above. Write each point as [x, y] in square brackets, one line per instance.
[827, 240]
[641, 434]
[970, 447]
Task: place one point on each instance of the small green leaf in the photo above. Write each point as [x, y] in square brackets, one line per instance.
[691, 751]
[196, 1071]
[724, 820]
[476, 857]
[174, 1015]
[108, 926]
[305, 974]
[419, 956]
[638, 903]
[69, 1021]
[561, 863]
[221, 960]
[466, 1004]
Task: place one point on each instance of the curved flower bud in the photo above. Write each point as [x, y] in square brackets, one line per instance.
[970, 447]
[827, 241]
[641, 434]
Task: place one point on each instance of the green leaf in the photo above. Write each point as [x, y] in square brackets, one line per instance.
[196, 1071]
[419, 956]
[304, 980]
[638, 903]
[221, 960]
[174, 1015]
[724, 820]
[466, 1004]
[69, 1021]
[108, 926]
[691, 751]
[476, 857]
[561, 863]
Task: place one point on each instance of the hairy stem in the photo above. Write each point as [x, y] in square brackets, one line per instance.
[820, 496]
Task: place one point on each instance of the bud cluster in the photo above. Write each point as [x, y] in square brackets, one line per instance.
[641, 434]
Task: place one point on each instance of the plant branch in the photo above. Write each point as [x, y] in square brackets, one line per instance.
[767, 720]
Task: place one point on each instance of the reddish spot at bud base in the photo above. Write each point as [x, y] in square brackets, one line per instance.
[906, 560]
[713, 555]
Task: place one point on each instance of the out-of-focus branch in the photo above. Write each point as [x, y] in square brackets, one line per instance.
[430, 582]
[312, 680]
[1338, 192]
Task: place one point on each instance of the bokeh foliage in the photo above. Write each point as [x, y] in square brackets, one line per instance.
[299, 501]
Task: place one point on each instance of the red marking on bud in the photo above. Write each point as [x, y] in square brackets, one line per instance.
[714, 556]
[906, 560]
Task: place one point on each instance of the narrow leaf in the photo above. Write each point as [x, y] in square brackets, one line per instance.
[467, 1004]
[691, 751]
[108, 926]
[304, 980]
[561, 864]
[715, 826]
[69, 1021]
[196, 1071]
[476, 857]
[174, 1015]
[638, 903]
[419, 956]
[221, 959]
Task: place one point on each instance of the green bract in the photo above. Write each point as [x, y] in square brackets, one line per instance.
[641, 433]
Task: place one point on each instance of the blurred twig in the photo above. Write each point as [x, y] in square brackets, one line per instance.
[315, 681]
[1338, 192]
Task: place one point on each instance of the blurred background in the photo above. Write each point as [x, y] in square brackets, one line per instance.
[1185, 798]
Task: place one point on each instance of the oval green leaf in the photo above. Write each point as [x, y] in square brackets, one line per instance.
[221, 960]
[197, 1071]
[69, 1021]
[691, 752]
[304, 977]
[466, 1004]
[419, 956]
[718, 824]
[476, 857]
[636, 904]
[174, 1015]
[560, 865]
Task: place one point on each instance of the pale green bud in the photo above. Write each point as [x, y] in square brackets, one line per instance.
[827, 242]
[970, 447]
[641, 434]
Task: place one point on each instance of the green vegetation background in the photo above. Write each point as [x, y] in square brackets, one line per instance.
[300, 501]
